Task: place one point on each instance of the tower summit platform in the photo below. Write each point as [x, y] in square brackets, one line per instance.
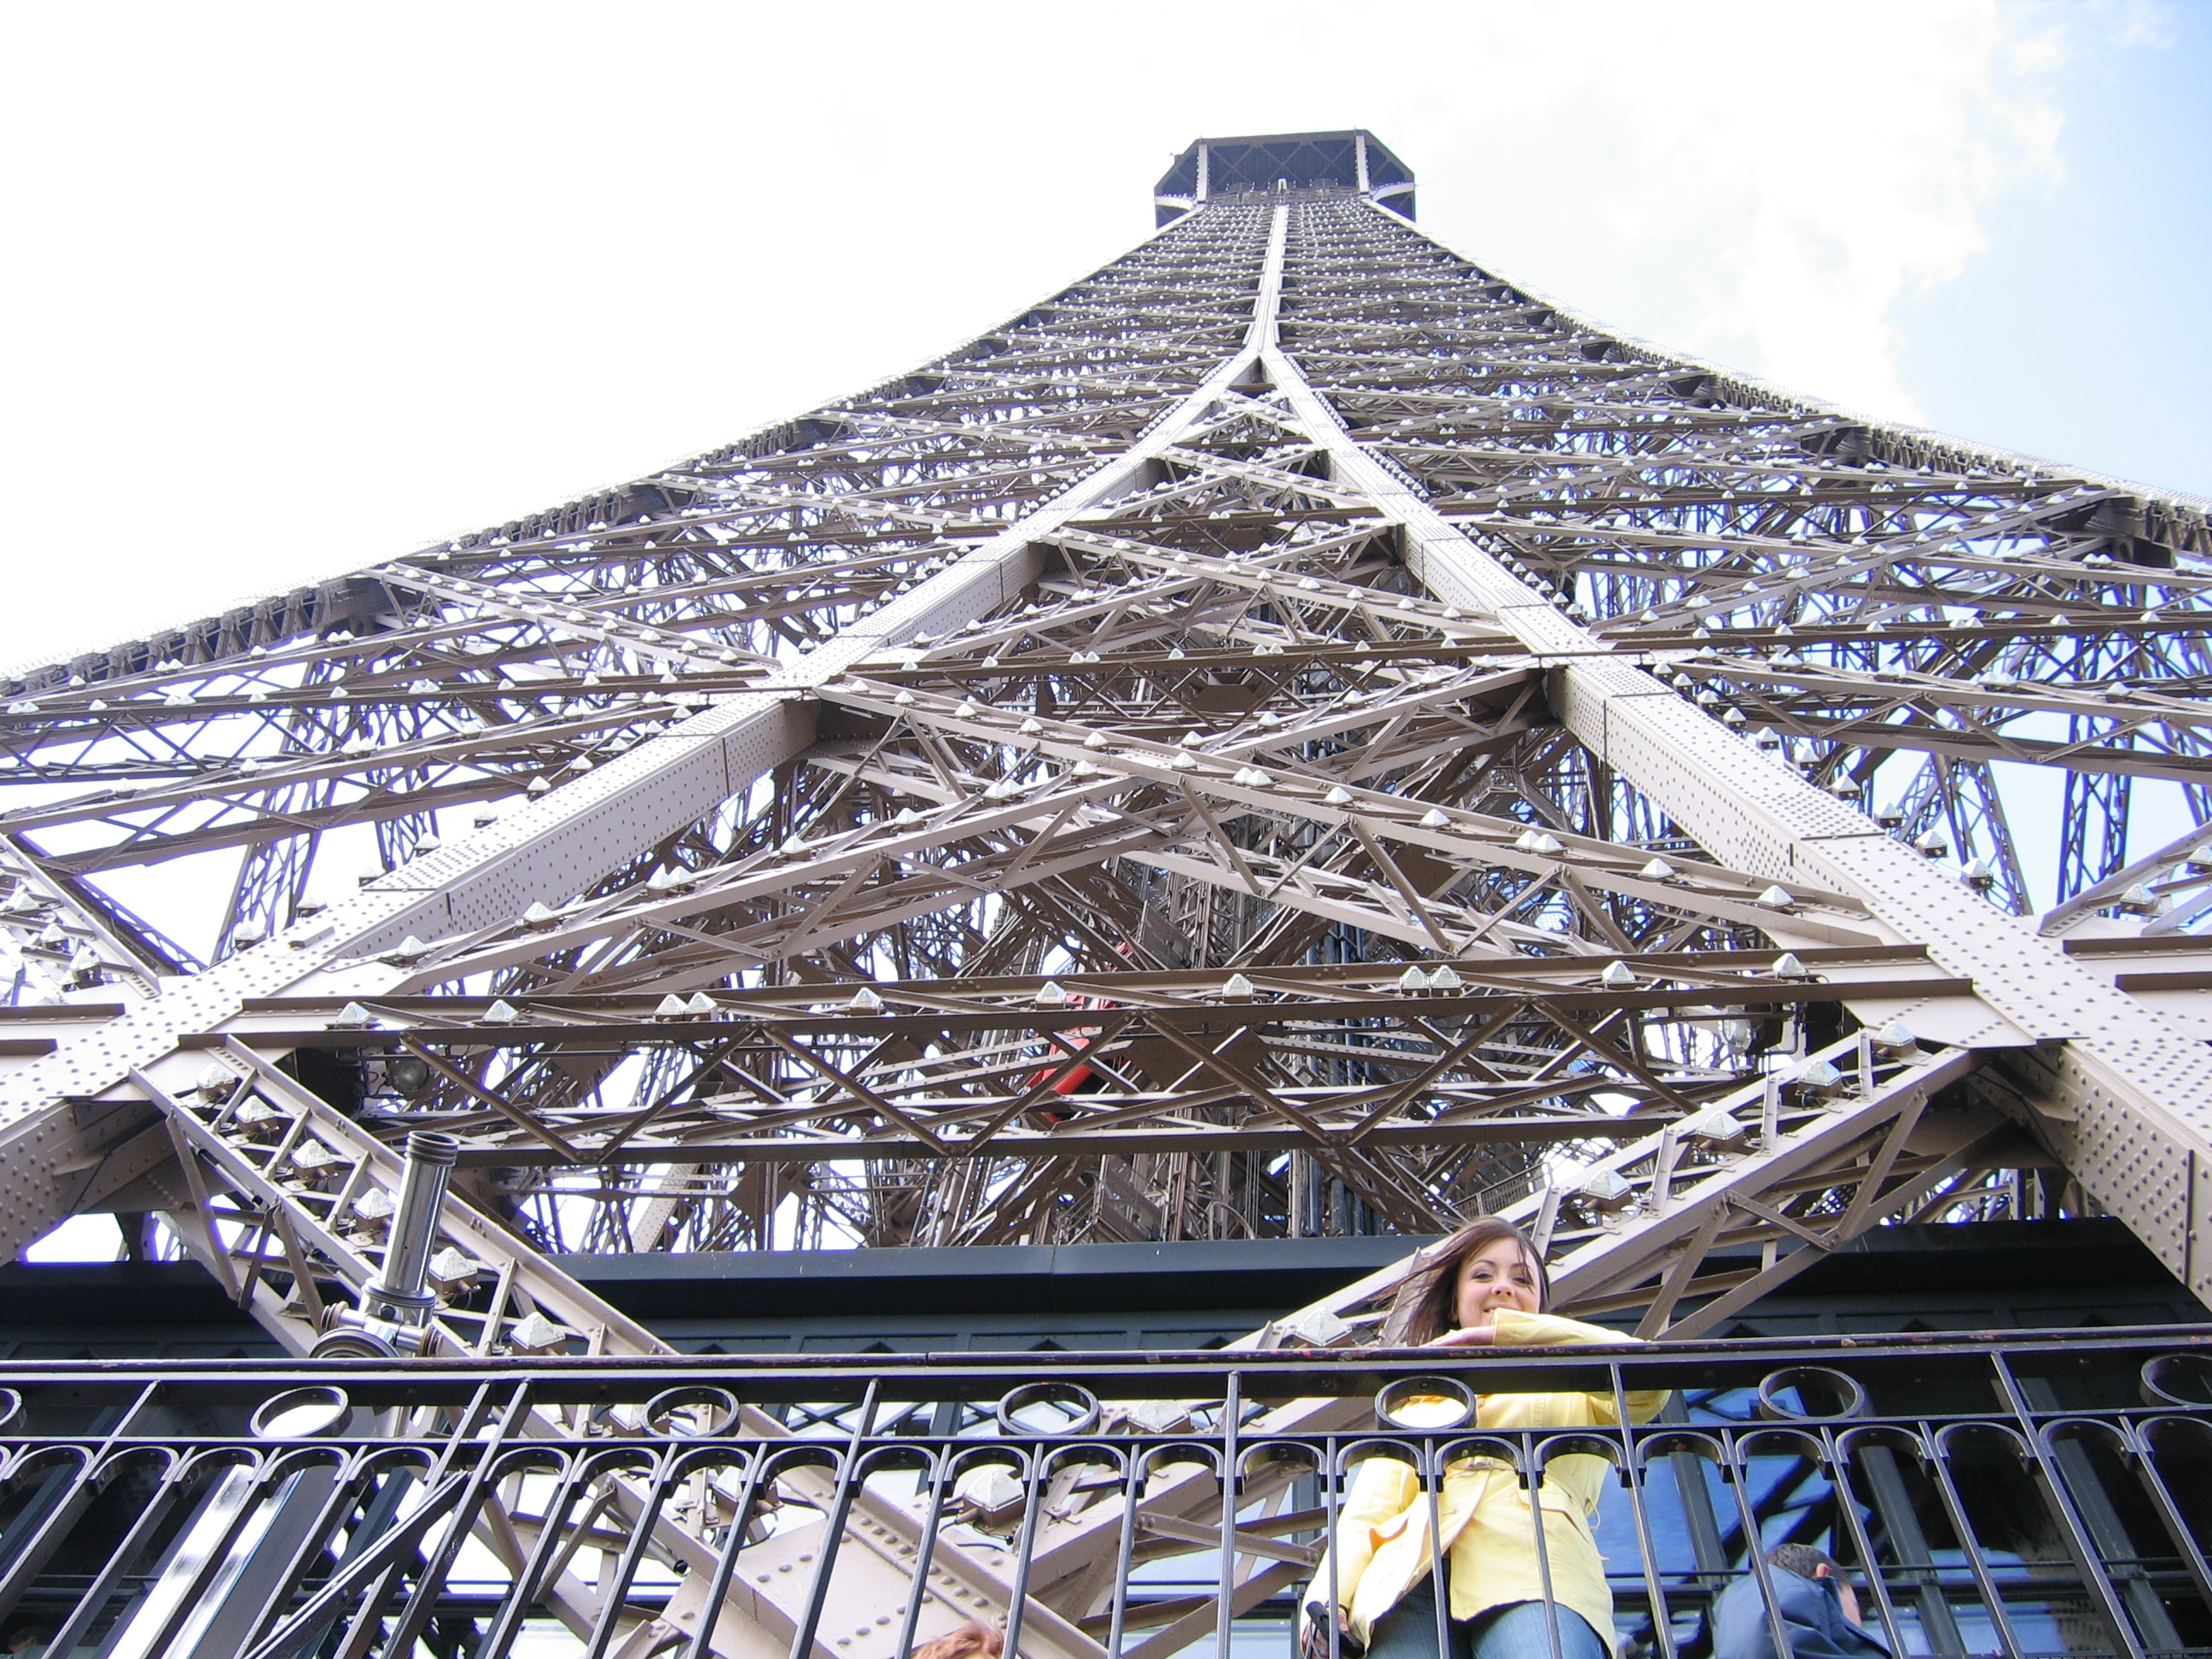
[1351, 159]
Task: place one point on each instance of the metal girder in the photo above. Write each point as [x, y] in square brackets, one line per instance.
[575, 835]
[1274, 593]
[2136, 1081]
[1795, 1168]
[1295, 733]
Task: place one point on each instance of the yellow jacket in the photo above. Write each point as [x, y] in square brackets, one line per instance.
[1381, 1549]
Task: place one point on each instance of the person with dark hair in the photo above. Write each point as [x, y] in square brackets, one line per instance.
[1818, 1609]
[970, 1641]
[1484, 1286]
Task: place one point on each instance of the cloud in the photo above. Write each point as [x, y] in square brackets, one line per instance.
[300, 288]
[1747, 182]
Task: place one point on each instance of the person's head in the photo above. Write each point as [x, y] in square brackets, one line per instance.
[1808, 1563]
[969, 1642]
[1486, 1265]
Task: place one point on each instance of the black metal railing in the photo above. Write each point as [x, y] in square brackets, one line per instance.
[2010, 1495]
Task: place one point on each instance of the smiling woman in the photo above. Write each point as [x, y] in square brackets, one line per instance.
[1485, 1266]
[1510, 1590]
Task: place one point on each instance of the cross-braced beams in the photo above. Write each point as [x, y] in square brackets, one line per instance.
[1293, 734]
[1281, 596]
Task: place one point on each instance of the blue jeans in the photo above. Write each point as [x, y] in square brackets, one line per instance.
[1520, 1629]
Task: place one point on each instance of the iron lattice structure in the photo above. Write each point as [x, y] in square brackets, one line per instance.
[1293, 734]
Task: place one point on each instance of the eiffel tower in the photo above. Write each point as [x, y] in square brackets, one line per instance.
[1294, 735]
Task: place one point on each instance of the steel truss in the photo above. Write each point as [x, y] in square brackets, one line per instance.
[1293, 734]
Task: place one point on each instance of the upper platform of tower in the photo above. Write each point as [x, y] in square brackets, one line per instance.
[1352, 160]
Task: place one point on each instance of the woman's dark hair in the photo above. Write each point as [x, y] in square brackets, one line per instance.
[1426, 1306]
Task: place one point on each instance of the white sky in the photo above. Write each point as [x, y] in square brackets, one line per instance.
[297, 288]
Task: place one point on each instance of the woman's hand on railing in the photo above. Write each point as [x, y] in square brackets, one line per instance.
[1473, 1336]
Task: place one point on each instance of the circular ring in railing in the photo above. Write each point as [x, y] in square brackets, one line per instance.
[690, 1414]
[302, 1414]
[1823, 1395]
[1079, 1402]
[1425, 1403]
[11, 1412]
[2178, 1379]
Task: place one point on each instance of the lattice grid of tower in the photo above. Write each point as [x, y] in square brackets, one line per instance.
[1294, 734]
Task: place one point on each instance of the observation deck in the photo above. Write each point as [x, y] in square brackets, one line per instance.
[1351, 159]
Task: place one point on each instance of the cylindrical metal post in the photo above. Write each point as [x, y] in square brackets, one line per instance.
[397, 1293]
